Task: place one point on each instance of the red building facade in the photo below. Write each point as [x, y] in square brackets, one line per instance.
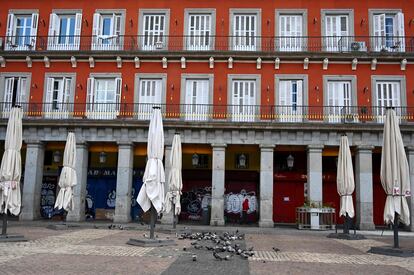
[255, 82]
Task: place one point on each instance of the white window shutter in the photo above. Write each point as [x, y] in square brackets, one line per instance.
[118, 85]
[188, 92]
[283, 90]
[78, 29]
[96, 29]
[299, 92]
[10, 32]
[49, 91]
[9, 85]
[90, 93]
[22, 90]
[53, 30]
[117, 29]
[67, 90]
[33, 31]
[379, 24]
[400, 30]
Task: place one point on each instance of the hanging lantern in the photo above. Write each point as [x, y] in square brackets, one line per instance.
[290, 160]
[102, 157]
[195, 160]
[57, 157]
[242, 161]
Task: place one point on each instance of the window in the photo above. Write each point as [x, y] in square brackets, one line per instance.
[15, 92]
[150, 93]
[153, 30]
[59, 91]
[245, 30]
[21, 31]
[337, 29]
[388, 31]
[290, 102]
[340, 98]
[244, 98]
[107, 31]
[104, 97]
[199, 29]
[388, 91]
[64, 31]
[388, 94]
[290, 33]
[196, 96]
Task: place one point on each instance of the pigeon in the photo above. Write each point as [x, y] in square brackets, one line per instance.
[217, 256]
[275, 249]
[194, 258]
[193, 243]
[227, 257]
[197, 246]
[244, 256]
[184, 248]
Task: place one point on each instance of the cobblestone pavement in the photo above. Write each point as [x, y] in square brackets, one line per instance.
[91, 251]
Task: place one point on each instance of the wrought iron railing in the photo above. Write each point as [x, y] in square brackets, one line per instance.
[128, 43]
[209, 113]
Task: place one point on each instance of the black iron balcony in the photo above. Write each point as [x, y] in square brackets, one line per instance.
[171, 43]
[209, 113]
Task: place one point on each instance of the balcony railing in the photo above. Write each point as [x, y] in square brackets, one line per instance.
[210, 113]
[332, 44]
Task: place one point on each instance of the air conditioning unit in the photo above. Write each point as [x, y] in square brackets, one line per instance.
[358, 46]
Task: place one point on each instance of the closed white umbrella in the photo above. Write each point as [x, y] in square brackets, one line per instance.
[152, 190]
[345, 178]
[175, 183]
[10, 170]
[395, 177]
[67, 178]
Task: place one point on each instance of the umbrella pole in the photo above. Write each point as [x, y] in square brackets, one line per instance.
[174, 221]
[153, 214]
[346, 225]
[395, 227]
[4, 227]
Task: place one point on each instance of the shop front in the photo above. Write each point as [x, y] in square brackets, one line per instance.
[289, 189]
[242, 185]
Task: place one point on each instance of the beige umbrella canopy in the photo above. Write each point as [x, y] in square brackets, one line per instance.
[67, 178]
[175, 183]
[152, 191]
[10, 170]
[395, 177]
[345, 178]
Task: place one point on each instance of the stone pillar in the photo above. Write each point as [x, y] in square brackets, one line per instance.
[315, 174]
[124, 182]
[410, 156]
[79, 192]
[363, 188]
[217, 196]
[266, 186]
[167, 218]
[33, 178]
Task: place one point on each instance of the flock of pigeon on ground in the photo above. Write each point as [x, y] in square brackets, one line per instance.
[223, 246]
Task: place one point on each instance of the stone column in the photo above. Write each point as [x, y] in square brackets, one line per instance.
[79, 192]
[410, 156]
[266, 186]
[33, 178]
[217, 196]
[167, 218]
[124, 182]
[363, 188]
[315, 174]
